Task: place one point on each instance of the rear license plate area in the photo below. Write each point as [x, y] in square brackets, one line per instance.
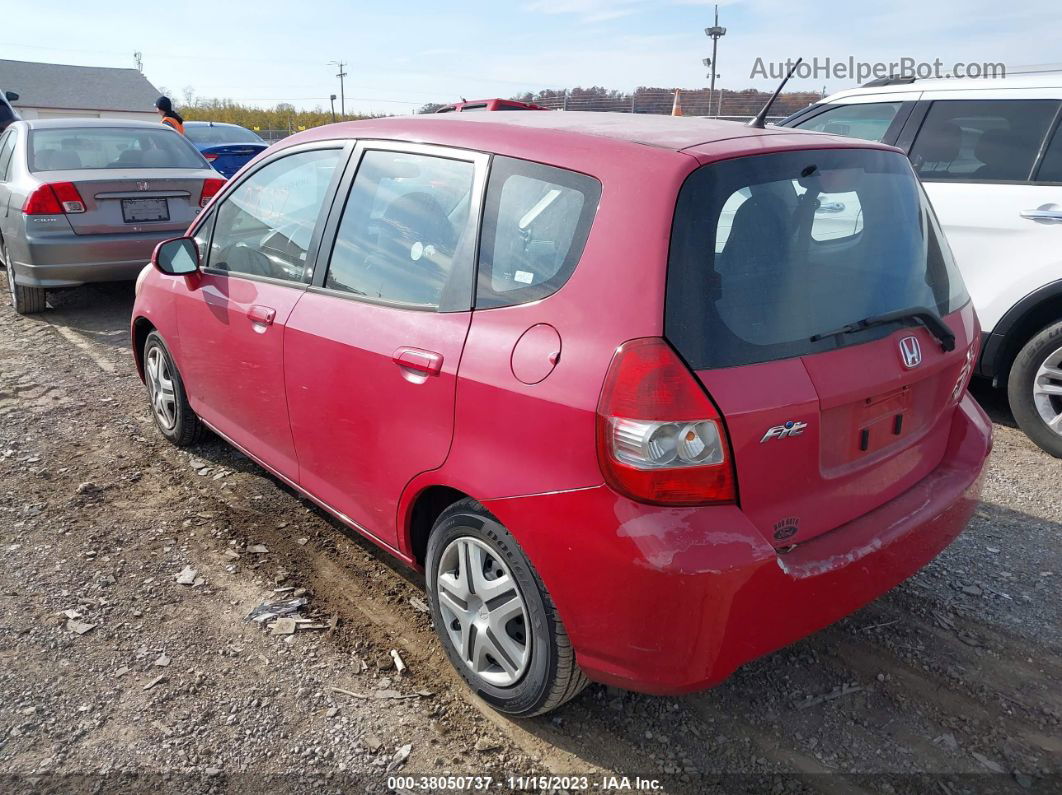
[882, 420]
[135, 211]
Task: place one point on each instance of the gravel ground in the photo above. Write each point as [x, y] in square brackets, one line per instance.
[115, 675]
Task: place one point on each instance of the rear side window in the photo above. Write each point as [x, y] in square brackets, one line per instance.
[71, 148]
[7, 147]
[535, 226]
[768, 252]
[1051, 167]
[406, 236]
[870, 121]
[994, 140]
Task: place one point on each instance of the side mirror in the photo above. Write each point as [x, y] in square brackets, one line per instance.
[176, 257]
[11, 96]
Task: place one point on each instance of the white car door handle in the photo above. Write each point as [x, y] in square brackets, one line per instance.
[1046, 212]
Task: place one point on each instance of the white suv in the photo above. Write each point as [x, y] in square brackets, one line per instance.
[989, 153]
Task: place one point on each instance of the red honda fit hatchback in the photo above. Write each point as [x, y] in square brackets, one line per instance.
[645, 397]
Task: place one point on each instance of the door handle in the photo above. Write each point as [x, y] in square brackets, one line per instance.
[1046, 212]
[419, 361]
[262, 315]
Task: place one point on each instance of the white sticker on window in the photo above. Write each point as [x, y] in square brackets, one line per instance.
[524, 276]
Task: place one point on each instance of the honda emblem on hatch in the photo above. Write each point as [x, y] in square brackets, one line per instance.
[911, 352]
[142, 186]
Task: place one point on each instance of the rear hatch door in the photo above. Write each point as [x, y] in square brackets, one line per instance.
[824, 426]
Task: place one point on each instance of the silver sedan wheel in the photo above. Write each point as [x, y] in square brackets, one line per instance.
[160, 388]
[1047, 391]
[483, 612]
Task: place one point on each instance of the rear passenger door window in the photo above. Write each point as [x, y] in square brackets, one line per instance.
[7, 148]
[1051, 167]
[407, 234]
[535, 226]
[982, 140]
[265, 227]
[868, 121]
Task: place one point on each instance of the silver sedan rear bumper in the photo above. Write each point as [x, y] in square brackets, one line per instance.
[71, 260]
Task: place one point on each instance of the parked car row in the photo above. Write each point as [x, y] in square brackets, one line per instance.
[87, 200]
[989, 153]
[644, 397]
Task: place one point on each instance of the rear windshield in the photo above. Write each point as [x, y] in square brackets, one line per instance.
[220, 134]
[72, 148]
[770, 251]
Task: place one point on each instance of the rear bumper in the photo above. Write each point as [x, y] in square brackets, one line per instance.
[69, 260]
[674, 600]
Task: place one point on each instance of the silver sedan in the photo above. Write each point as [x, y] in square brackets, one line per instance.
[88, 200]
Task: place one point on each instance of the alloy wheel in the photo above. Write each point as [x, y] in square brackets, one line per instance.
[483, 611]
[1047, 391]
[161, 389]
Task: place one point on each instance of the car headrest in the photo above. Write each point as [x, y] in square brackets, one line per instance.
[64, 159]
[996, 147]
[943, 146]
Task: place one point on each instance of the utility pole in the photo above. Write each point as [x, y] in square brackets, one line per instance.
[714, 33]
[342, 93]
[138, 57]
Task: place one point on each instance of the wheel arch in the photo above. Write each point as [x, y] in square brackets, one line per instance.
[422, 510]
[141, 328]
[1020, 324]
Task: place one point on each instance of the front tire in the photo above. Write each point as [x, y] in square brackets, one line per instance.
[170, 410]
[495, 618]
[1034, 389]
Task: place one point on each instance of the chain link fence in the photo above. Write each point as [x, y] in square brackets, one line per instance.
[735, 105]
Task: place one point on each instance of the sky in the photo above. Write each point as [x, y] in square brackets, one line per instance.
[404, 53]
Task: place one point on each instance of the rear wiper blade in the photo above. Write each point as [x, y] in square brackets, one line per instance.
[915, 314]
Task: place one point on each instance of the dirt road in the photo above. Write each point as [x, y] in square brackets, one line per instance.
[112, 672]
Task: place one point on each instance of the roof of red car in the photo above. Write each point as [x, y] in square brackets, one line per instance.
[666, 132]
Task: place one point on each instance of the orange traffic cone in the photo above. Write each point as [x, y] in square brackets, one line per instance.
[676, 108]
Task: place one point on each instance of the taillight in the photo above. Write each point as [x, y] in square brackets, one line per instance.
[210, 157]
[660, 438]
[54, 199]
[210, 187]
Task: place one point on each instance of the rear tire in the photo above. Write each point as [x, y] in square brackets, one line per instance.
[1034, 389]
[167, 398]
[25, 300]
[547, 675]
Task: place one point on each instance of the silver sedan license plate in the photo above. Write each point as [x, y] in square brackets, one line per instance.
[143, 210]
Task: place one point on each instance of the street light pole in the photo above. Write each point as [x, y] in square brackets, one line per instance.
[714, 33]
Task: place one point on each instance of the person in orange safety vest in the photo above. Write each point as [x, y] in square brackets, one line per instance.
[169, 116]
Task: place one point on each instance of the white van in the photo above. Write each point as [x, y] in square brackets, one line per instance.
[989, 153]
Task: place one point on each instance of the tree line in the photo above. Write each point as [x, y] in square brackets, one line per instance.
[286, 118]
[283, 117]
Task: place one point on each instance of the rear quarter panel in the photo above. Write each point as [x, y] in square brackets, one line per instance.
[513, 438]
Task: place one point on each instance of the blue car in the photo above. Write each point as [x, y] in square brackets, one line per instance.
[225, 146]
